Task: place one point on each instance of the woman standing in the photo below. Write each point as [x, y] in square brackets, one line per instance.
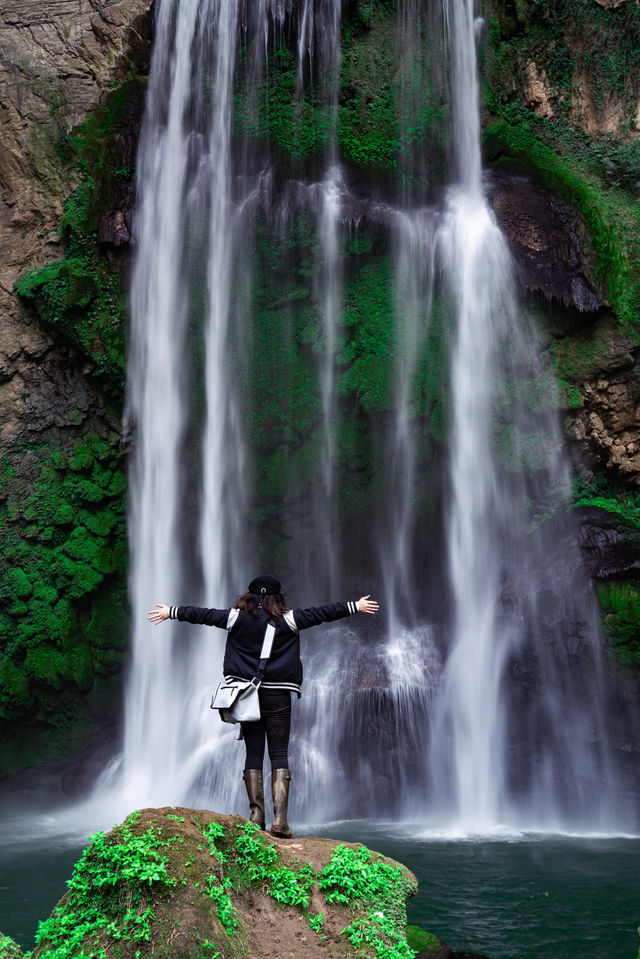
[245, 623]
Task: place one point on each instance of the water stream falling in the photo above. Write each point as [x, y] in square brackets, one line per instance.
[425, 716]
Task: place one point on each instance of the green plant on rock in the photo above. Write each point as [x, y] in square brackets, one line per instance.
[227, 912]
[358, 877]
[316, 923]
[597, 490]
[378, 931]
[355, 874]
[109, 898]
[259, 863]
[9, 949]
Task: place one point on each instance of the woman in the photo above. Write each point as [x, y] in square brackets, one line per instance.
[245, 623]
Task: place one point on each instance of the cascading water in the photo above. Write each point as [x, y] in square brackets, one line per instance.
[494, 352]
[185, 226]
[426, 688]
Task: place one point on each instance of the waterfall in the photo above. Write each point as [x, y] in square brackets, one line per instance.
[188, 530]
[420, 714]
[475, 733]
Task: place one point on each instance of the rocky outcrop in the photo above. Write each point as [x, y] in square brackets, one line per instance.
[601, 362]
[191, 883]
[610, 544]
[546, 242]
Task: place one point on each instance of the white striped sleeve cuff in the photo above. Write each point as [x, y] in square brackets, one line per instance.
[173, 612]
[353, 608]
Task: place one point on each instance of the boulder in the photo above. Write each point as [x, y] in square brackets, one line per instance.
[185, 883]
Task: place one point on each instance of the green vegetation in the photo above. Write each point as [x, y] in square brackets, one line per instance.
[619, 596]
[63, 603]
[386, 113]
[621, 604]
[421, 941]
[588, 58]
[109, 892]
[63, 600]
[612, 222]
[9, 949]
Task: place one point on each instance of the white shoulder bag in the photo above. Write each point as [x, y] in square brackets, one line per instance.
[237, 699]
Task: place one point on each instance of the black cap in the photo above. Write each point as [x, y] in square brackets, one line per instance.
[265, 586]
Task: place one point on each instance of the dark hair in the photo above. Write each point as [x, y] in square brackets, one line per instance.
[274, 605]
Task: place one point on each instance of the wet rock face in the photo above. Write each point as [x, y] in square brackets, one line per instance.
[545, 241]
[611, 545]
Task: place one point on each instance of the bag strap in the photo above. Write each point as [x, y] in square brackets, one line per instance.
[265, 652]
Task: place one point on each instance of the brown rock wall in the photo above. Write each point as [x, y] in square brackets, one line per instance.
[55, 60]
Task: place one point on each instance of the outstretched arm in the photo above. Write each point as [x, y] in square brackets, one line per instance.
[304, 618]
[224, 618]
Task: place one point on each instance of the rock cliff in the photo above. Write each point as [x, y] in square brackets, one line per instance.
[56, 62]
[60, 64]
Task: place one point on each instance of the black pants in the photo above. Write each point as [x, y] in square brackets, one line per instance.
[275, 725]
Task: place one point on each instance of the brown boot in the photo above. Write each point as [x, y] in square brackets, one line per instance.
[280, 779]
[255, 792]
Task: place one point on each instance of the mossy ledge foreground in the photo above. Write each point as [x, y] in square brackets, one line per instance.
[178, 883]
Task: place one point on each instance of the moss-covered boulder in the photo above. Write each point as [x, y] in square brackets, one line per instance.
[175, 883]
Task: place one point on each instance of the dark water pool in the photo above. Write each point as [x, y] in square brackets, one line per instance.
[533, 898]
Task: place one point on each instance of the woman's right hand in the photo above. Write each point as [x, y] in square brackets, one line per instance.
[158, 615]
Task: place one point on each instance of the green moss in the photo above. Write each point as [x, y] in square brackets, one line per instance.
[423, 942]
[368, 352]
[586, 53]
[372, 123]
[620, 601]
[589, 354]
[62, 591]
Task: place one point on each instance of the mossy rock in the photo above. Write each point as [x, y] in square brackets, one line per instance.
[426, 945]
[63, 607]
[180, 883]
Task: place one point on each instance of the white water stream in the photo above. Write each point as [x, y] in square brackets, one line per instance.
[416, 722]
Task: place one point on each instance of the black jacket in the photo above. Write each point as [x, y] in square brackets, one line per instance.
[246, 633]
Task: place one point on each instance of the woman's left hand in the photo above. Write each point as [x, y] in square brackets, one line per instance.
[367, 605]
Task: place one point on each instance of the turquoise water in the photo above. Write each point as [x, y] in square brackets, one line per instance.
[522, 898]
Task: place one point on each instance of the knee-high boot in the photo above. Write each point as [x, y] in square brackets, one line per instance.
[280, 779]
[255, 792]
